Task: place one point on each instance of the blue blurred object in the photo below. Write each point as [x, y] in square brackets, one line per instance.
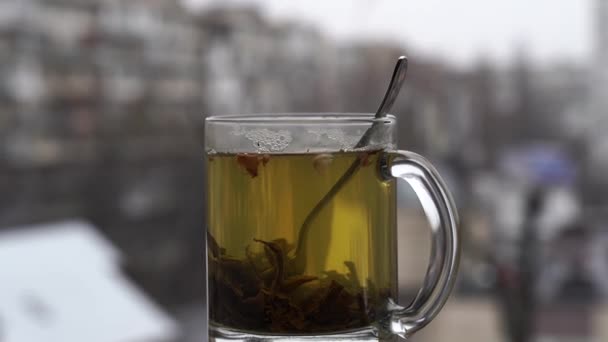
[540, 164]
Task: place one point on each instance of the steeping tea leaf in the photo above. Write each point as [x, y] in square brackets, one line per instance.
[250, 162]
[249, 301]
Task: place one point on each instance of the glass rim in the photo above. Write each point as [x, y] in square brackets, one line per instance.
[305, 118]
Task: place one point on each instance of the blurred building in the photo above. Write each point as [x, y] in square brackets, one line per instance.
[254, 66]
[598, 105]
[601, 25]
[94, 98]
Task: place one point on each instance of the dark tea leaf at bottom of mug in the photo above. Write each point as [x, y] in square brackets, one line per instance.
[274, 300]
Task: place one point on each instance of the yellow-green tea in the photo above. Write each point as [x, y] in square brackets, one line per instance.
[256, 207]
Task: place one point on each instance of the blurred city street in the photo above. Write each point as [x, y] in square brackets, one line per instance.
[102, 106]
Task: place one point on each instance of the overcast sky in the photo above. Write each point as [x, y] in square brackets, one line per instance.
[461, 30]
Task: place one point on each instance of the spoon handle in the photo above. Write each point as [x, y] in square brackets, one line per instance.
[394, 87]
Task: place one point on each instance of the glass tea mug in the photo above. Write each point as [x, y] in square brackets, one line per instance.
[301, 229]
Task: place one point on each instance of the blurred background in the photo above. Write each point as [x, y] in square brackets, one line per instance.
[102, 175]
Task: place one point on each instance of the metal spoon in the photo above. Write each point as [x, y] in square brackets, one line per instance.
[390, 96]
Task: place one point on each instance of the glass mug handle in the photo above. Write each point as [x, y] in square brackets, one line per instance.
[441, 212]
